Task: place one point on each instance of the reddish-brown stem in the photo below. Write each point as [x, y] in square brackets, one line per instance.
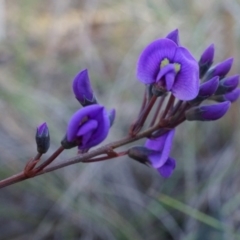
[136, 127]
[105, 157]
[143, 102]
[160, 103]
[176, 107]
[168, 107]
[50, 159]
[89, 156]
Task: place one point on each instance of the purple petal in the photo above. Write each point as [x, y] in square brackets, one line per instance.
[174, 36]
[88, 126]
[186, 85]
[208, 88]
[42, 130]
[232, 96]
[102, 130]
[82, 87]
[162, 144]
[150, 59]
[207, 56]
[167, 169]
[90, 112]
[222, 68]
[208, 112]
[85, 139]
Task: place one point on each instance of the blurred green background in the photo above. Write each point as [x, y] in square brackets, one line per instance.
[43, 44]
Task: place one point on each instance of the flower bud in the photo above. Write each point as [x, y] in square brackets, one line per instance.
[220, 69]
[174, 36]
[82, 89]
[207, 112]
[231, 96]
[206, 60]
[206, 90]
[227, 85]
[42, 138]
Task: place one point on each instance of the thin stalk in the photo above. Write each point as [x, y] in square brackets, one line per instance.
[105, 157]
[50, 159]
[157, 110]
[168, 107]
[136, 127]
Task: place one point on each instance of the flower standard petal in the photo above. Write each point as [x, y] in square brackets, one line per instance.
[186, 85]
[167, 169]
[150, 59]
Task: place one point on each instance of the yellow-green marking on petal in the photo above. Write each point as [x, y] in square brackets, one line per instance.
[164, 63]
[177, 67]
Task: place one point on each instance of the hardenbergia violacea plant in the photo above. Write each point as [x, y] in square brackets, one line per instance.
[176, 89]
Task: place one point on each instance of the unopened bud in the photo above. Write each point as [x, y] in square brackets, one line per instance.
[82, 89]
[227, 85]
[206, 60]
[220, 69]
[206, 90]
[42, 138]
[207, 112]
[231, 96]
[174, 36]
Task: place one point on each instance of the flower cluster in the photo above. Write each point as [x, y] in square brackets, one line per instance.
[165, 66]
[170, 73]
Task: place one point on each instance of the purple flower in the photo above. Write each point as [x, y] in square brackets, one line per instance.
[206, 60]
[170, 68]
[82, 89]
[88, 127]
[160, 159]
[207, 112]
[220, 69]
[156, 152]
[42, 138]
